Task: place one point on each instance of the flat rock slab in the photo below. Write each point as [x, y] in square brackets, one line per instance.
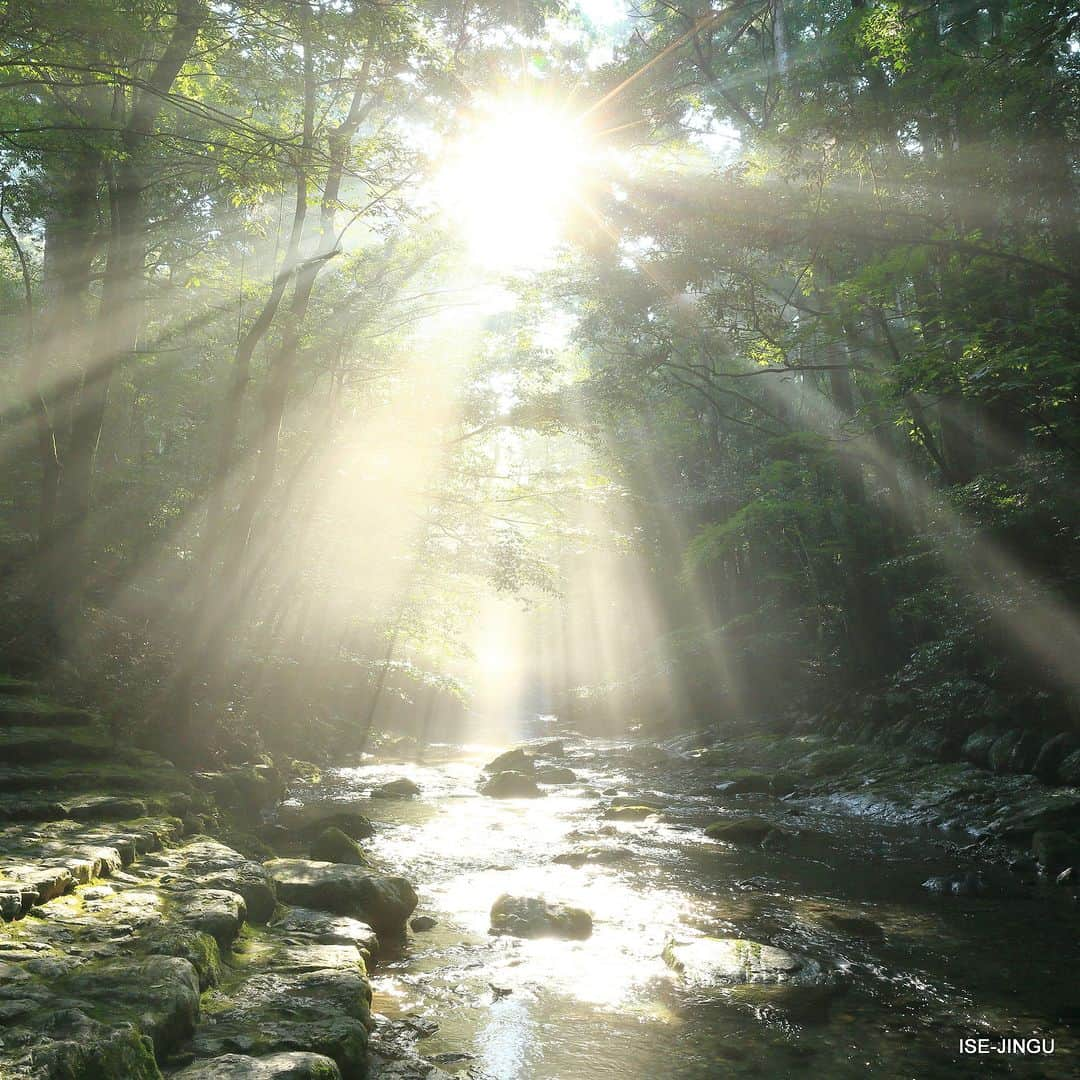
[328, 929]
[106, 808]
[205, 863]
[288, 1066]
[217, 912]
[325, 1011]
[384, 902]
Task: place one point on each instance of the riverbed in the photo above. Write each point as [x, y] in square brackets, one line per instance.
[914, 973]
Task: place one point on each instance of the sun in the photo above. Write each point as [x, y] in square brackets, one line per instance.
[510, 180]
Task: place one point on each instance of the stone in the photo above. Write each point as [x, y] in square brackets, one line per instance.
[976, 748]
[725, 962]
[382, 901]
[1051, 755]
[1014, 751]
[554, 774]
[328, 929]
[106, 808]
[295, 1065]
[422, 922]
[1069, 770]
[332, 845]
[1066, 877]
[534, 917]
[516, 760]
[217, 912]
[750, 830]
[593, 857]
[195, 946]
[312, 817]
[511, 785]
[628, 813]
[325, 1011]
[396, 789]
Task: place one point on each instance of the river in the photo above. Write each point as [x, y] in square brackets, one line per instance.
[919, 972]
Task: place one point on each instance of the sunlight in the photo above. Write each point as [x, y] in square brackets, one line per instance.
[510, 180]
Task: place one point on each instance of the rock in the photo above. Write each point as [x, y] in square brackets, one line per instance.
[288, 1066]
[1052, 753]
[1056, 850]
[162, 992]
[628, 813]
[195, 946]
[968, 884]
[750, 830]
[724, 962]
[511, 785]
[216, 912]
[251, 882]
[976, 748]
[383, 902]
[423, 922]
[640, 800]
[328, 929]
[647, 754]
[593, 857]
[551, 748]
[1066, 877]
[326, 1012]
[106, 808]
[396, 789]
[554, 774]
[70, 1044]
[1014, 751]
[533, 917]
[332, 845]
[311, 818]
[1069, 769]
[516, 760]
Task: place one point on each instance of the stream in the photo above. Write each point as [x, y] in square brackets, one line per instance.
[918, 971]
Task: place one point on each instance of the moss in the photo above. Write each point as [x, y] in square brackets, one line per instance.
[332, 845]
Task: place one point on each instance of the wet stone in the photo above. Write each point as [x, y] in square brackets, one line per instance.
[329, 929]
[511, 785]
[534, 917]
[296, 1065]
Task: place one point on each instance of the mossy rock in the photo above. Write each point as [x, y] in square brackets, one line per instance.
[533, 917]
[511, 785]
[516, 760]
[333, 845]
[1052, 754]
[749, 830]
[291, 1065]
[196, 947]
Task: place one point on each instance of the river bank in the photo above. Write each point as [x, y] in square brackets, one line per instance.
[762, 905]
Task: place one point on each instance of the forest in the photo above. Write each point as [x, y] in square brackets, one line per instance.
[539, 539]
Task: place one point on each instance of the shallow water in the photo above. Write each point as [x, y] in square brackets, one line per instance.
[944, 968]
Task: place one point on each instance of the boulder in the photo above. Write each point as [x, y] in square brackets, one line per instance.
[311, 818]
[516, 760]
[396, 789]
[422, 922]
[383, 902]
[1069, 769]
[1014, 752]
[511, 785]
[750, 830]
[198, 948]
[976, 748]
[728, 962]
[332, 845]
[294, 1065]
[534, 917]
[555, 774]
[1051, 755]
[216, 912]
